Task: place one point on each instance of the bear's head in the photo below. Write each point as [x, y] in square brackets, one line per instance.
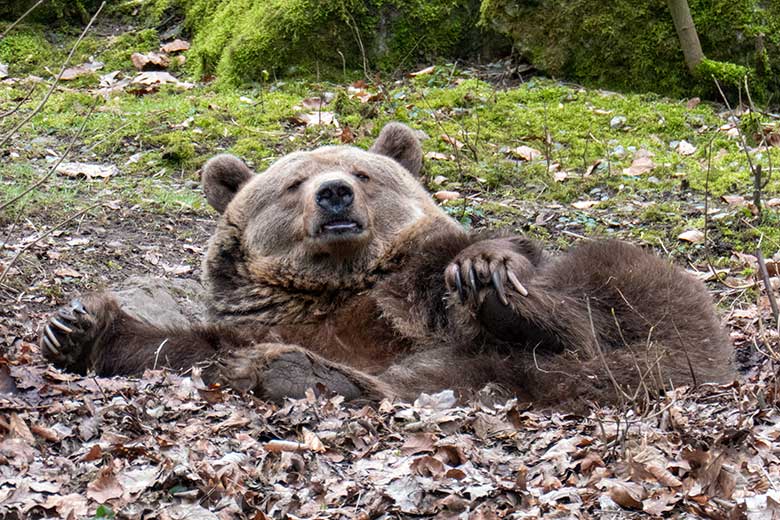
[315, 227]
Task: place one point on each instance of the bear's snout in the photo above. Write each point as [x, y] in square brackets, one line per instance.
[335, 196]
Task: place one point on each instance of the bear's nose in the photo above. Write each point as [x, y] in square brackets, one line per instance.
[335, 196]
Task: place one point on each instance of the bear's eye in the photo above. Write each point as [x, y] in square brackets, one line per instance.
[295, 185]
[363, 176]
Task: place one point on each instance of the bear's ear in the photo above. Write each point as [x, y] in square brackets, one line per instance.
[222, 177]
[399, 142]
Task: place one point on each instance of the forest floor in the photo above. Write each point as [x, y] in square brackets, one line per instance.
[555, 161]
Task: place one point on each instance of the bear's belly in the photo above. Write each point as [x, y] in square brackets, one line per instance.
[355, 335]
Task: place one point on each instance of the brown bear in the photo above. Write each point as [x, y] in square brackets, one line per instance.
[335, 270]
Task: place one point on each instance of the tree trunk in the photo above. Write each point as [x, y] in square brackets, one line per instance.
[686, 32]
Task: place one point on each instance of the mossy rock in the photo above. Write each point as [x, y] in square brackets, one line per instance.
[240, 39]
[633, 46]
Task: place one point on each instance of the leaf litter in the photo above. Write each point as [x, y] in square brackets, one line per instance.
[157, 445]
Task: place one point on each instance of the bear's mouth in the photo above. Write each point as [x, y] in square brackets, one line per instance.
[341, 227]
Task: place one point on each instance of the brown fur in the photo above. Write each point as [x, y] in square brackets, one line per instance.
[376, 311]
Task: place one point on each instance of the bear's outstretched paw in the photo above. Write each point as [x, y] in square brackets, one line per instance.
[275, 371]
[484, 266]
[67, 338]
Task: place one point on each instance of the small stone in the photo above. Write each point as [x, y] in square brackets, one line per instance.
[617, 122]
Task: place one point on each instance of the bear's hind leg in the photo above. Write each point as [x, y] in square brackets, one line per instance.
[275, 371]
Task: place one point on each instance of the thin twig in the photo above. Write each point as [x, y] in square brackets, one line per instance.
[55, 165]
[768, 286]
[37, 109]
[707, 256]
[354, 27]
[44, 235]
[20, 103]
[18, 20]
[739, 131]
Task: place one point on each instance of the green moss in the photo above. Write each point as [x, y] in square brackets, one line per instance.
[633, 46]
[728, 73]
[177, 147]
[25, 49]
[238, 39]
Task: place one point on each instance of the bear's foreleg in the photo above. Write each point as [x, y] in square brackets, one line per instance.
[500, 285]
[94, 333]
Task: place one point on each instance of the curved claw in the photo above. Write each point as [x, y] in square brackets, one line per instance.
[57, 323]
[48, 346]
[459, 284]
[516, 283]
[472, 275]
[49, 335]
[498, 284]
[77, 306]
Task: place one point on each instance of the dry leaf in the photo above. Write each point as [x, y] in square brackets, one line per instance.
[105, 487]
[89, 171]
[626, 494]
[452, 141]
[525, 153]
[639, 166]
[694, 236]
[149, 81]
[585, 204]
[107, 80]
[175, 46]
[685, 148]
[661, 474]
[426, 70]
[428, 466]
[19, 429]
[137, 480]
[150, 61]
[438, 156]
[316, 118]
[73, 505]
[313, 103]
[417, 443]
[446, 195]
[312, 442]
[593, 167]
[66, 271]
[733, 200]
[346, 136]
[81, 70]
[657, 506]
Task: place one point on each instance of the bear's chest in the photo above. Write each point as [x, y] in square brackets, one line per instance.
[356, 335]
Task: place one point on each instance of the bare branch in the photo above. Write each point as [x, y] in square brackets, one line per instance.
[20, 103]
[37, 109]
[768, 286]
[44, 235]
[18, 20]
[55, 165]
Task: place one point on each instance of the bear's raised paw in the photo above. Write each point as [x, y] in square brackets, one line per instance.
[487, 265]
